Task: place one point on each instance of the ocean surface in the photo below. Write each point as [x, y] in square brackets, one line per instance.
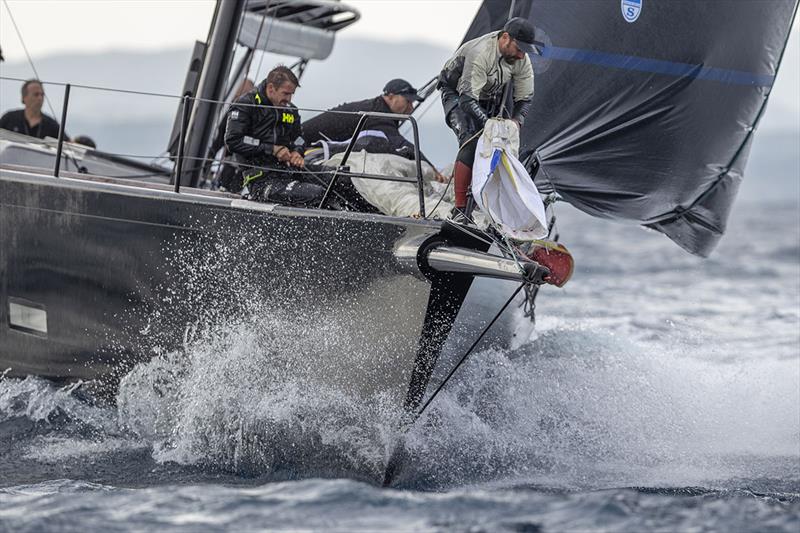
[660, 392]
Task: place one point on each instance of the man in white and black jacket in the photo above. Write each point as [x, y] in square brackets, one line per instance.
[472, 84]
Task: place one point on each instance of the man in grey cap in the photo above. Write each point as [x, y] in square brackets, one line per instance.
[339, 124]
[473, 83]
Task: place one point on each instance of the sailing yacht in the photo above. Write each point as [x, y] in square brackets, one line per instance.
[644, 117]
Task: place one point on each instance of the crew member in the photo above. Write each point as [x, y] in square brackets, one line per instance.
[85, 140]
[30, 120]
[339, 124]
[473, 83]
[264, 136]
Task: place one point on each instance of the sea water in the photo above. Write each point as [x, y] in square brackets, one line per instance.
[660, 392]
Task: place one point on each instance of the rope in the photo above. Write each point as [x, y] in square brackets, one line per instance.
[269, 31]
[474, 344]
[444, 193]
[205, 160]
[428, 105]
[333, 190]
[529, 305]
[258, 36]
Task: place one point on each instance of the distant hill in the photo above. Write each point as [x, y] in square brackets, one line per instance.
[141, 124]
[358, 68]
[343, 77]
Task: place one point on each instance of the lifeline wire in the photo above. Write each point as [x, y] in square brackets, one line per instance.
[207, 100]
[444, 193]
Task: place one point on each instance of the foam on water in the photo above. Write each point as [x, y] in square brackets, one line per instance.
[41, 401]
[54, 450]
[589, 408]
[579, 406]
[650, 369]
[239, 399]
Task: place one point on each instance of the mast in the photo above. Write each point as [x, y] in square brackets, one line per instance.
[221, 40]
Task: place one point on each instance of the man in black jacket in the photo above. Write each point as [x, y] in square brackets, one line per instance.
[31, 121]
[339, 123]
[382, 133]
[264, 136]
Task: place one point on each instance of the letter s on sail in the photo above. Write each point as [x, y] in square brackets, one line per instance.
[631, 9]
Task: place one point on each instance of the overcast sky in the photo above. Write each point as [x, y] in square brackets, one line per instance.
[52, 26]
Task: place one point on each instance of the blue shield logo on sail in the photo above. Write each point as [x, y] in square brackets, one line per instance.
[631, 9]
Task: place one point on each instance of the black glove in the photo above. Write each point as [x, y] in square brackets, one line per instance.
[520, 111]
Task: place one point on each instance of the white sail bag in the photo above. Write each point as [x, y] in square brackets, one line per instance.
[501, 186]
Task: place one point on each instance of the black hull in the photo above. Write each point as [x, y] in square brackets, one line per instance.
[98, 275]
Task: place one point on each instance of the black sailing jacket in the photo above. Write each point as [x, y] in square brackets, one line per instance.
[340, 126]
[255, 127]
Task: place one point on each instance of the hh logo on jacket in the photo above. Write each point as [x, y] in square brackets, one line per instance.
[288, 118]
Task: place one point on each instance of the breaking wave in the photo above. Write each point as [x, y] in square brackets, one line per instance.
[576, 407]
[585, 408]
[241, 399]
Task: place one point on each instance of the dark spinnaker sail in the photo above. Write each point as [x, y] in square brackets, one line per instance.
[644, 110]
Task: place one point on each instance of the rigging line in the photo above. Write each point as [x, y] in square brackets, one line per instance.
[452, 177]
[474, 344]
[303, 171]
[444, 193]
[509, 87]
[278, 107]
[428, 104]
[492, 239]
[263, 54]
[149, 175]
[472, 234]
[25, 48]
[258, 37]
[266, 39]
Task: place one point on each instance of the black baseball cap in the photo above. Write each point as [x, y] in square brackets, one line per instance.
[522, 31]
[403, 88]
